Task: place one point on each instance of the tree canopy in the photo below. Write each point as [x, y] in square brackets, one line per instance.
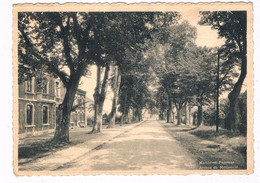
[231, 25]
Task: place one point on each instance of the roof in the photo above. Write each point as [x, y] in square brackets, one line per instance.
[81, 91]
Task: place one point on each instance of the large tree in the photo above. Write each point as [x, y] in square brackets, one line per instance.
[231, 25]
[115, 86]
[203, 82]
[63, 43]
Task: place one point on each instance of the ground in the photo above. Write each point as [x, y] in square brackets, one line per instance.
[223, 150]
[148, 146]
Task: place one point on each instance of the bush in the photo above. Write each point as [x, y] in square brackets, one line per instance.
[90, 120]
[243, 112]
[105, 119]
[118, 119]
[209, 115]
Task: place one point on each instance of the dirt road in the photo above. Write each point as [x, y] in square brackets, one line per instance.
[139, 148]
[145, 147]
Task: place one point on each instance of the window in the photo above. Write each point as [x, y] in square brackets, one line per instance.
[83, 101]
[79, 101]
[45, 114]
[29, 114]
[45, 85]
[57, 89]
[81, 117]
[29, 85]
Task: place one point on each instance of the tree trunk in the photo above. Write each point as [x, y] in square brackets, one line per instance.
[194, 119]
[169, 116]
[97, 123]
[199, 116]
[161, 115]
[62, 125]
[124, 118]
[129, 116]
[179, 107]
[189, 111]
[178, 116]
[134, 114]
[233, 119]
[139, 114]
[96, 100]
[185, 115]
[115, 89]
[112, 115]
[169, 111]
[99, 98]
[63, 112]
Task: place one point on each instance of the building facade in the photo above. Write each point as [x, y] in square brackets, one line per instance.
[38, 102]
[78, 117]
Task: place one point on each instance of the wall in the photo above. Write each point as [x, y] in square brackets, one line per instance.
[38, 100]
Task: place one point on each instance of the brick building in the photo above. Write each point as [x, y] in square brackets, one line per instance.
[37, 105]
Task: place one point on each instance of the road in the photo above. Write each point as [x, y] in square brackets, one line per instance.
[140, 147]
[145, 147]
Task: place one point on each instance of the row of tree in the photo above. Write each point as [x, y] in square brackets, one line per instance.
[135, 51]
[64, 44]
[194, 76]
[185, 72]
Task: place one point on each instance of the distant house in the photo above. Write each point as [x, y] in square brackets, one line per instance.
[78, 117]
[38, 103]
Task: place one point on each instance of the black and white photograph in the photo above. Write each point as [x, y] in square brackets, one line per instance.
[132, 90]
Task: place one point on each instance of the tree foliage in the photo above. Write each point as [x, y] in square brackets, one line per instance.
[232, 26]
[63, 44]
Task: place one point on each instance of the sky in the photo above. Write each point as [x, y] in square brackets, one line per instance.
[205, 37]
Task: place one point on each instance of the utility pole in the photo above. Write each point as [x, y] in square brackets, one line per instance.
[217, 100]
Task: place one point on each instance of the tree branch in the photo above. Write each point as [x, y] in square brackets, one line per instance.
[77, 31]
[62, 75]
[64, 36]
[77, 106]
[223, 78]
[32, 50]
[104, 84]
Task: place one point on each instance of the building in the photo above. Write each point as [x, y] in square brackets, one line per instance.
[78, 117]
[38, 102]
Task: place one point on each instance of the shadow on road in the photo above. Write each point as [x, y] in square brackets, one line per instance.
[40, 149]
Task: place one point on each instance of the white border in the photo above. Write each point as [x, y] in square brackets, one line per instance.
[6, 173]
